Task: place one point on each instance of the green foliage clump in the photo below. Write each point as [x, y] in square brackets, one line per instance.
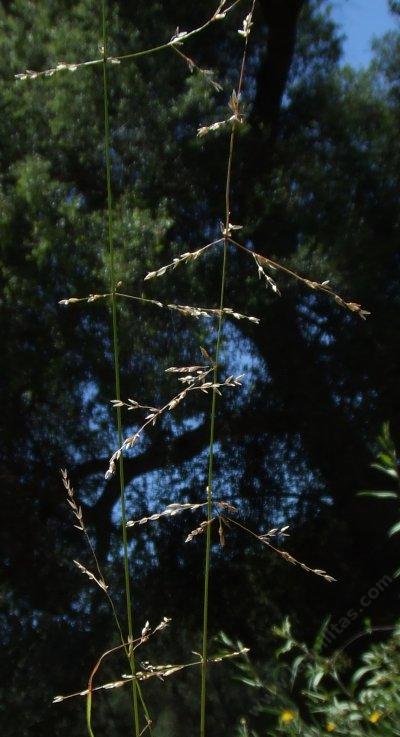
[304, 691]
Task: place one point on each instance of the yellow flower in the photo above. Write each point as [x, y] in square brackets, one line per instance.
[330, 727]
[375, 717]
[287, 716]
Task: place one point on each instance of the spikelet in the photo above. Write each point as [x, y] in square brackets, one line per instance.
[170, 511]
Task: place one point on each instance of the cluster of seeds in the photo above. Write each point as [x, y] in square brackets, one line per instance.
[170, 511]
[99, 581]
[184, 258]
[262, 274]
[190, 311]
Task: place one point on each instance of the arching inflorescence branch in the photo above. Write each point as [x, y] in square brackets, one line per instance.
[151, 671]
[186, 310]
[194, 377]
[262, 263]
[178, 39]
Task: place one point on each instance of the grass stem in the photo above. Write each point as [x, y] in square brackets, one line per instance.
[203, 693]
[226, 234]
[129, 607]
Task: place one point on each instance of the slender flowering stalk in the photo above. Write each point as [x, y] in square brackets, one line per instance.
[234, 105]
[80, 525]
[129, 608]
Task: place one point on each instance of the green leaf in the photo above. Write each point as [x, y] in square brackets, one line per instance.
[253, 682]
[319, 640]
[317, 678]
[386, 459]
[295, 668]
[360, 672]
[389, 471]
[379, 494]
[393, 530]
[289, 644]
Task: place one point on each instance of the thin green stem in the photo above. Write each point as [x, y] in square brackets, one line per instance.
[203, 693]
[226, 234]
[100, 572]
[89, 714]
[129, 608]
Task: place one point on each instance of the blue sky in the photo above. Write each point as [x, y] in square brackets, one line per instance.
[360, 20]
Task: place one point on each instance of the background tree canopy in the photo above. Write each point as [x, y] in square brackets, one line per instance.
[316, 186]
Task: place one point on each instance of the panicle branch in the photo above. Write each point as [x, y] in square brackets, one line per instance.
[178, 38]
[195, 382]
[279, 532]
[186, 310]
[207, 74]
[99, 578]
[184, 258]
[170, 511]
[158, 671]
[263, 262]
[100, 582]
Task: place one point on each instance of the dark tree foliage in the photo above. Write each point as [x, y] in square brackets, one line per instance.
[316, 186]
